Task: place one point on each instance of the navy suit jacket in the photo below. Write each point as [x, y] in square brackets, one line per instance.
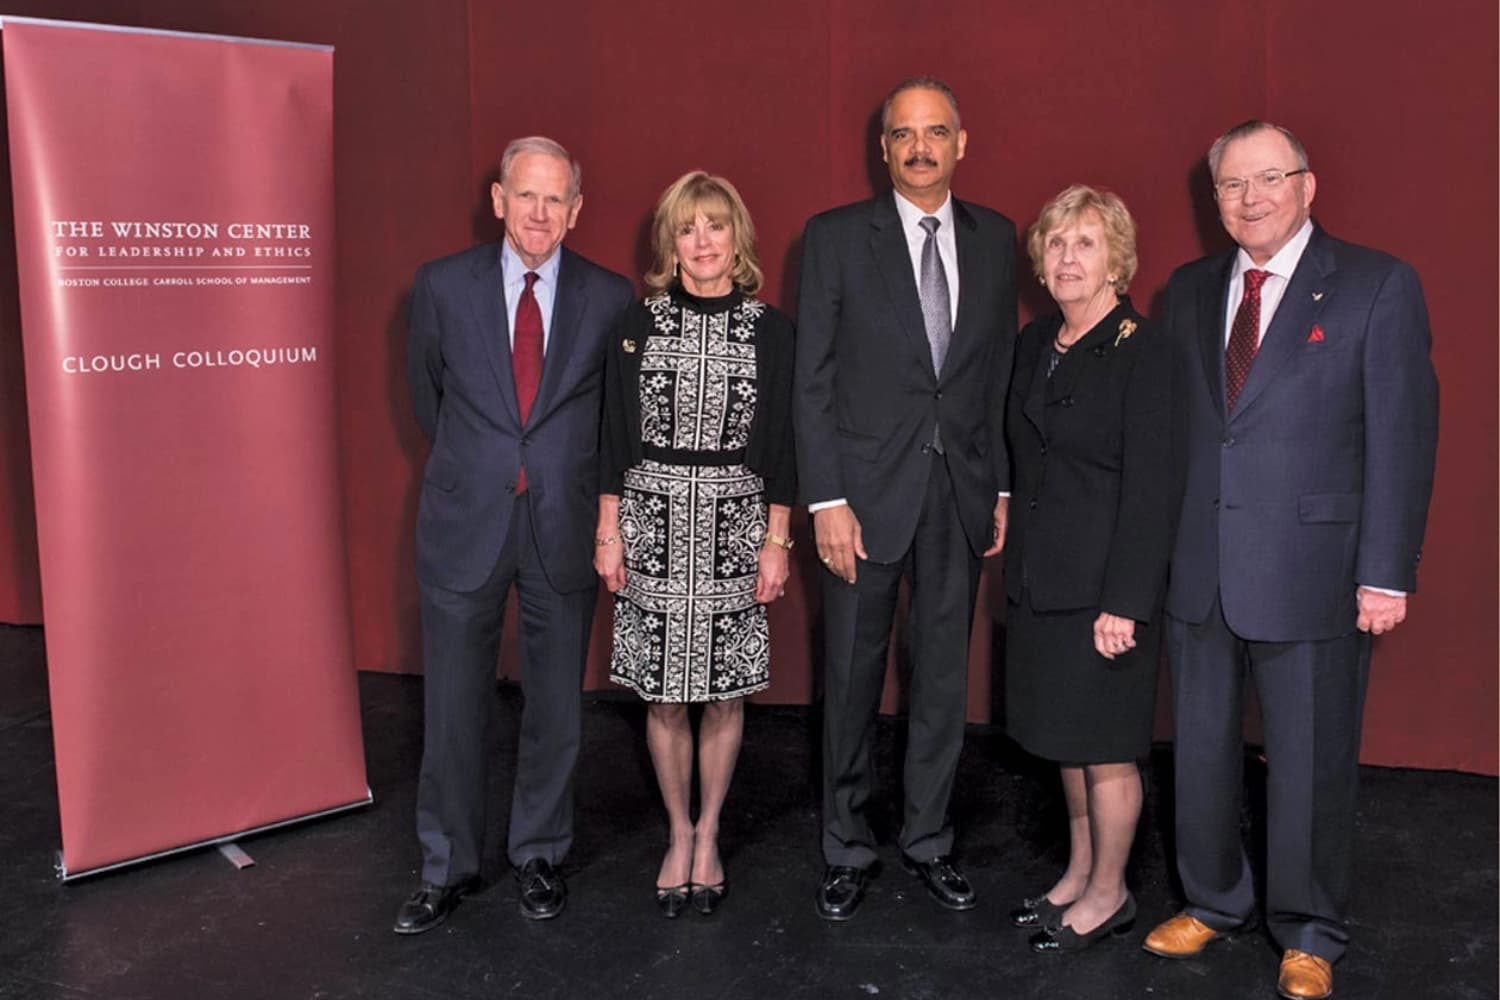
[463, 391]
[1319, 480]
[866, 395]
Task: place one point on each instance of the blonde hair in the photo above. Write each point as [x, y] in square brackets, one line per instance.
[679, 205]
[1073, 204]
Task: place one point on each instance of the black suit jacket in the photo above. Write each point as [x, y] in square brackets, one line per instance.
[464, 395]
[1319, 480]
[866, 395]
[1093, 508]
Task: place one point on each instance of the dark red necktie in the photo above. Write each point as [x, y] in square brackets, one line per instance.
[1244, 337]
[526, 357]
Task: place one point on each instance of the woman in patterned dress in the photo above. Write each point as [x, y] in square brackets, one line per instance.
[699, 477]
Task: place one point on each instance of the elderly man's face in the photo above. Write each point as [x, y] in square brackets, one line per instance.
[537, 205]
[922, 144]
[1264, 218]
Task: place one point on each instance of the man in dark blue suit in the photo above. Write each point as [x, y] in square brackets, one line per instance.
[506, 366]
[906, 325]
[1309, 430]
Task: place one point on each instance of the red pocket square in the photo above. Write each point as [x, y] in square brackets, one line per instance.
[1316, 337]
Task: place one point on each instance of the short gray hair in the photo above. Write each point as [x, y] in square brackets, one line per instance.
[1246, 129]
[546, 147]
[918, 83]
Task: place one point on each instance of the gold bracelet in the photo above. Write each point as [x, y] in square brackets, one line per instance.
[785, 543]
[607, 540]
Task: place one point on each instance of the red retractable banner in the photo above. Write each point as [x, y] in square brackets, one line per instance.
[174, 235]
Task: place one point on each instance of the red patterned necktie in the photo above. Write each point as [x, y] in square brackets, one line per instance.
[526, 357]
[1244, 337]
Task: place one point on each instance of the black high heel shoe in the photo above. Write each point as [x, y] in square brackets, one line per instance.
[707, 897]
[673, 899]
[1064, 938]
[1038, 911]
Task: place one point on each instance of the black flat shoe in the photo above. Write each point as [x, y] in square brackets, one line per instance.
[541, 889]
[841, 891]
[706, 898]
[673, 899]
[1038, 911]
[1064, 938]
[430, 905]
[944, 882]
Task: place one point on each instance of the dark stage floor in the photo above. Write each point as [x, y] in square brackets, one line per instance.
[312, 918]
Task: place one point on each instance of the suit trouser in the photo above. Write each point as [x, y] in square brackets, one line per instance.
[460, 647]
[1312, 700]
[943, 576]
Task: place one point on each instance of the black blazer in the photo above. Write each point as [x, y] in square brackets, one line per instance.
[464, 396]
[867, 398]
[770, 452]
[1094, 504]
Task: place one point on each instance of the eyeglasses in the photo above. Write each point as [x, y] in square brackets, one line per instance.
[1266, 180]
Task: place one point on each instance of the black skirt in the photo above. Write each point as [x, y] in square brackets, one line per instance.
[1065, 702]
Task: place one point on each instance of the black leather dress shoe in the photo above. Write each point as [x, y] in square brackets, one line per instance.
[943, 880]
[1064, 938]
[430, 905]
[1038, 911]
[541, 889]
[841, 891]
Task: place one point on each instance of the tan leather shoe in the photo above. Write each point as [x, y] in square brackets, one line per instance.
[1182, 936]
[1304, 976]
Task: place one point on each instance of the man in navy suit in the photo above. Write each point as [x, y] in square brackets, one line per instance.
[906, 326]
[506, 366]
[1309, 431]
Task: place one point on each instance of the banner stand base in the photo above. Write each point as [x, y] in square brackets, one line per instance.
[228, 839]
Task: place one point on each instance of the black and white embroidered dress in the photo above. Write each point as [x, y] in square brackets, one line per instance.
[692, 514]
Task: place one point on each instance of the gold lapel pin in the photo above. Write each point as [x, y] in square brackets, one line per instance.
[1127, 327]
[1317, 296]
[629, 346]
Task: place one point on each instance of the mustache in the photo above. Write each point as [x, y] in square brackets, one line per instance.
[918, 160]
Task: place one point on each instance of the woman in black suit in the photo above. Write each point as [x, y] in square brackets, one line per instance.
[1086, 552]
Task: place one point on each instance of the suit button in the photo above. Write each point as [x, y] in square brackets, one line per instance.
[1099, 351]
[510, 487]
[926, 448]
[1067, 401]
[526, 442]
[1216, 503]
[938, 394]
[1044, 449]
[1031, 504]
[1229, 442]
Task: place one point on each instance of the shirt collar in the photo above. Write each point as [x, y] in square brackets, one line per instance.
[1284, 263]
[912, 216]
[513, 269]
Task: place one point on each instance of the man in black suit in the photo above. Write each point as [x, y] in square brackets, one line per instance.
[906, 324]
[1309, 431]
[506, 367]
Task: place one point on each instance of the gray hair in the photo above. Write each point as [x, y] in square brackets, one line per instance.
[1246, 129]
[546, 147]
[917, 83]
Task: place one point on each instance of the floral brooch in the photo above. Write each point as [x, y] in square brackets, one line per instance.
[1127, 327]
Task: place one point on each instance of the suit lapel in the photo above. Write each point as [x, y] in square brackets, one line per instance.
[567, 310]
[1212, 307]
[970, 276]
[1294, 317]
[1034, 353]
[888, 244]
[487, 302]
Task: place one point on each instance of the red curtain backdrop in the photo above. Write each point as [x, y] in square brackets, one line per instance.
[781, 98]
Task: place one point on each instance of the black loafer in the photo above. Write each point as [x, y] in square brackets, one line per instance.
[841, 891]
[430, 905]
[1063, 938]
[1038, 911]
[944, 882]
[541, 889]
